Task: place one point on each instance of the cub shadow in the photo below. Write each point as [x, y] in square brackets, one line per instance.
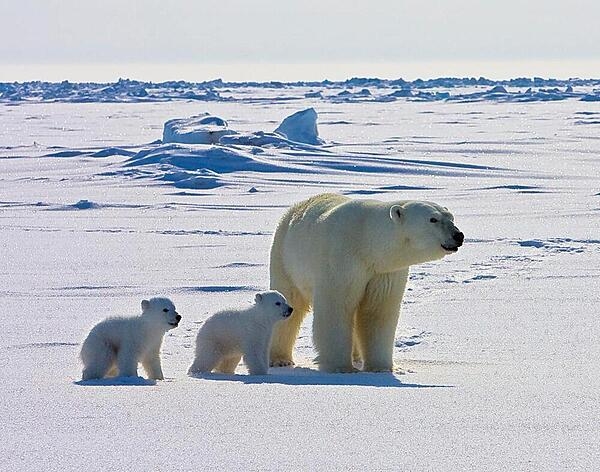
[117, 382]
[306, 376]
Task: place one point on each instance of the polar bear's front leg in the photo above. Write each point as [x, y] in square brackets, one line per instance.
[152, 366]
[256, 355]
[377, 319]
[332, 326]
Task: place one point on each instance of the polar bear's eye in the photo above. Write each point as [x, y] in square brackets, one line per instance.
[278, 303]
[433, 220]
[166, 310]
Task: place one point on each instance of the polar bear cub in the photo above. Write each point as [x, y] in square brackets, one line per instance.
[116, 345]
[228, 335]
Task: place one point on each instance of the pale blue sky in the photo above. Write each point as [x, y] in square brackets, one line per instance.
[230, 32]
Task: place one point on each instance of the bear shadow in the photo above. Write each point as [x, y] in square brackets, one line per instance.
[117, 382]
[306, 376]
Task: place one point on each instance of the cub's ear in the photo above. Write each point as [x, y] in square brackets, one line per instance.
[258, 298]
[145, 305]
[396, 212]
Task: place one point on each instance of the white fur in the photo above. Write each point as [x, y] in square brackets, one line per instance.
[116, 345]
[349, 260]
[228, 335]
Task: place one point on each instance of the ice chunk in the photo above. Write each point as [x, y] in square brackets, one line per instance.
[498, 89]
[301, 127]
[199, 129]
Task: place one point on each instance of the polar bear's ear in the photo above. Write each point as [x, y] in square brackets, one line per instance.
[396, 212]
[145, 305]
[258, 298]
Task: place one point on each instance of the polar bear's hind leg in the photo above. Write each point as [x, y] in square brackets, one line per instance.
[98, 359]
[286, 332]
[228, 364]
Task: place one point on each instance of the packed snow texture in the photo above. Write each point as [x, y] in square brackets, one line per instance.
[499, 342]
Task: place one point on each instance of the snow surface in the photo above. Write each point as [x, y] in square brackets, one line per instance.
[499, 341]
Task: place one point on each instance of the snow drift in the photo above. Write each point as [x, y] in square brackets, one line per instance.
[218, 159]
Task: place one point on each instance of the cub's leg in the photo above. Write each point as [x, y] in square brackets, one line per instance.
[153, 367]
[207, 358]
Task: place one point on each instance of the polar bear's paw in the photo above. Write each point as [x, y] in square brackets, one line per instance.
[379, 368]
[280, 362]
[345, 369]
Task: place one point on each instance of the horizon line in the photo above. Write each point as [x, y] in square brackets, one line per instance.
[240, 72]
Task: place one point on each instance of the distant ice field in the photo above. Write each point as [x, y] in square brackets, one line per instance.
[499, 342]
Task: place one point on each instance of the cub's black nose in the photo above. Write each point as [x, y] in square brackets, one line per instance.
[458, 237]
[178, 318]
[290, 309]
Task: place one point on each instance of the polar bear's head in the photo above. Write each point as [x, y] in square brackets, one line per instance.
[273, 304]
[162, 311]
[426, 229]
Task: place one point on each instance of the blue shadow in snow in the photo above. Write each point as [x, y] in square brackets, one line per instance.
[117, 382]
[306, 376]
[221, 288]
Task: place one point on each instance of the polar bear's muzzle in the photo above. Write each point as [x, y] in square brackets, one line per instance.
[176, 322]
[288, 312]
[457, 241]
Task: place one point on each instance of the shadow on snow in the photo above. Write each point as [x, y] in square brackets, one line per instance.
[306, 376]
[117, 381]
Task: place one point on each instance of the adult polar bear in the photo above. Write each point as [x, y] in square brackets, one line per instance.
[349, 260]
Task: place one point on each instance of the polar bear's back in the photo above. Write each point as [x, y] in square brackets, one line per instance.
[323, 228]
[106, 337]
[330, 216]
[114, 331]
[226, 329]
[314, 208]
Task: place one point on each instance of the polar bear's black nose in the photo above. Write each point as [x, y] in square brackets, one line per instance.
[178, 318]
[290, 309]
[458, 237]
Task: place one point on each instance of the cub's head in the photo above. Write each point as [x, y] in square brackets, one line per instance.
[162, 311]
[274, 304]
[427, 229]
